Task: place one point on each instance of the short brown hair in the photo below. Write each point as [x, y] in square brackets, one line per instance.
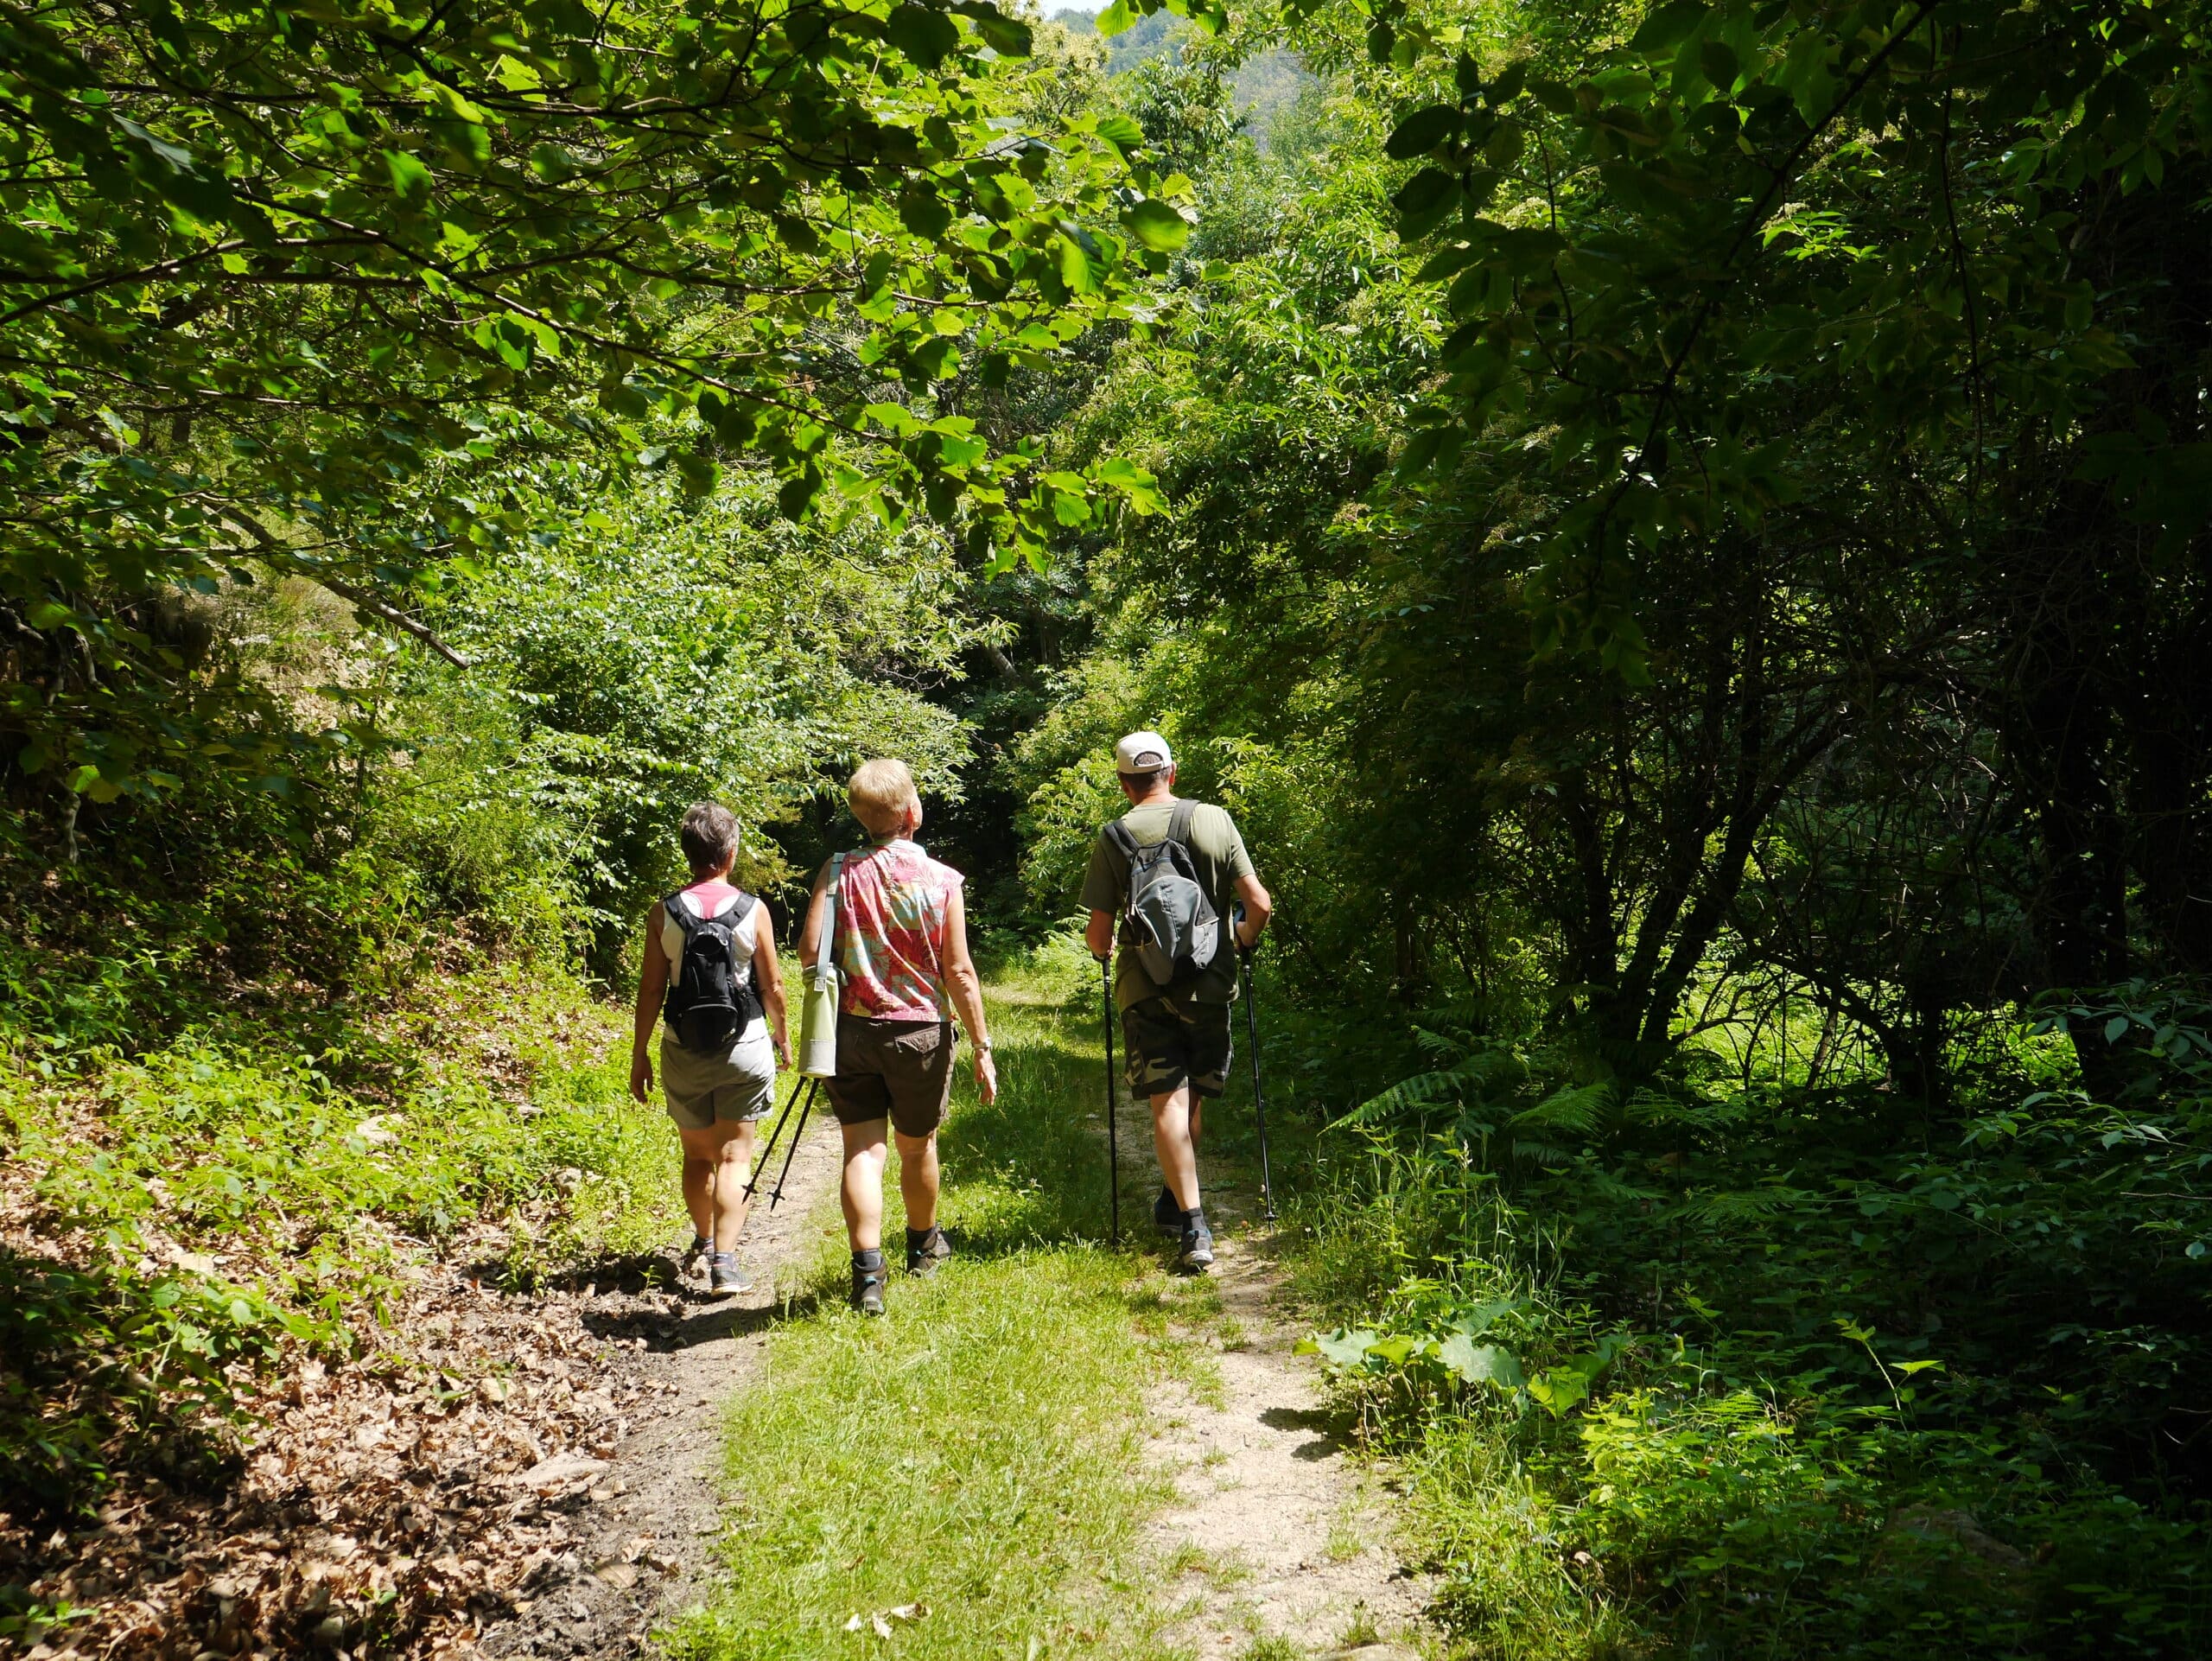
[709, 838]
[1141, 782]
[880, 792]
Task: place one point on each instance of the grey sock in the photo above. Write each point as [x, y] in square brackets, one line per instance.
[869, 1260]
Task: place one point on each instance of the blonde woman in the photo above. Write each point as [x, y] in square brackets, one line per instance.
[901, 944]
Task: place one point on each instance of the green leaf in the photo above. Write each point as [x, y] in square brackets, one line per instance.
[1157, 225]
[921, 35]
[2116, 1028]
[1116, 18]
[1075, 267]
[1481, 1364]
[1122, 133]
[797, 493]
[1667, 27]
[1341, 1349]
[410, 179]
[1424, 201]
[1009, 36]
[1423, 131]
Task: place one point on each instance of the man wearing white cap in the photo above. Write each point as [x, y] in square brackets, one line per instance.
[1174, 1018]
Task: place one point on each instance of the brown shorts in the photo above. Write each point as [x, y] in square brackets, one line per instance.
[899, 1070]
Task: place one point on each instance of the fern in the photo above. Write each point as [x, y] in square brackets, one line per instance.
[1743, 1205]
[1475, 1074]
[1577, 1108]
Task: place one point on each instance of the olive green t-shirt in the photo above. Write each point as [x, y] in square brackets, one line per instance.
[1217, 851]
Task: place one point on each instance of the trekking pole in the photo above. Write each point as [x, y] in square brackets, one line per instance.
[1113, 1140]
[813, 1089]
[1259, 1100]
[768, 1148]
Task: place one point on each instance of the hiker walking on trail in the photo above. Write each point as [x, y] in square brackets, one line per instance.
[1172, 872]
[900, 944]
[711, 982]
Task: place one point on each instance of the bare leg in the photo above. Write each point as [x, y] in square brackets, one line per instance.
[730, 1173]
[1173, 1121]
[722, 1153]
[862, 1192]
[918, 1177]
[698, 1189]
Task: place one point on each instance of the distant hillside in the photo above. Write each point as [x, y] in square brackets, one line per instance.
[1265, 84]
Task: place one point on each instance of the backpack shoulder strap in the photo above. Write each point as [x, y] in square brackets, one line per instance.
[824, 947]
[1118, 832]
[1179, 821]
[679, 913]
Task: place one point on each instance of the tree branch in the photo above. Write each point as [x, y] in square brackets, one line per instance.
[270, 543]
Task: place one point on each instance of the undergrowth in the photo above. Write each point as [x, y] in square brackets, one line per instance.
[1685, 1373]
[213, 1158]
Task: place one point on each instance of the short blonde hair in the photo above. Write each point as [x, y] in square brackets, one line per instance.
[880, 793]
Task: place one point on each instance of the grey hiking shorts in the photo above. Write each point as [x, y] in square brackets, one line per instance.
[703, 1089]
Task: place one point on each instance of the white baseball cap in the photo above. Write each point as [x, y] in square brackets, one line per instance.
[1145, 752]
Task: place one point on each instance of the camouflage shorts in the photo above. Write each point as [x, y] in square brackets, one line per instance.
[1171, 1042]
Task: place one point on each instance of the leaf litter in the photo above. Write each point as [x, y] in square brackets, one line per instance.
[402, 1500]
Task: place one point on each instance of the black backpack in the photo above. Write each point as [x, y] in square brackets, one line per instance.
[711, 999]
[1170, 922]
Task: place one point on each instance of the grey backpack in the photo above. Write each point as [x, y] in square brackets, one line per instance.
[1171, 923]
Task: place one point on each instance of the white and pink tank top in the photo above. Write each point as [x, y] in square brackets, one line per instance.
[893, 901]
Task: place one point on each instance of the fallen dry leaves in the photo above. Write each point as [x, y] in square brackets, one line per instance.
[394, 1505]
[398, 1504]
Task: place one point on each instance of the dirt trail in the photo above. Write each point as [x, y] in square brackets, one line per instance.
[644, 1546]
[1278, 1533]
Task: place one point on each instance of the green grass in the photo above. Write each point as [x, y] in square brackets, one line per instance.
[979, 1450]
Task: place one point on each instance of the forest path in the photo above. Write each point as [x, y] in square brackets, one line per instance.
[1277, 1542]
[1280, 1544]
[1280, 1541]
[646, 1550]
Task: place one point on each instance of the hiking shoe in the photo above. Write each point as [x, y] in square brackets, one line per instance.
[724, 1278]
[1167, 1215]
[868, 1290]
[1197, 1254]
[922, 1259]
[696, 1254]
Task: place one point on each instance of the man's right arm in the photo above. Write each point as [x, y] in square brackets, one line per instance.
[1259, 906]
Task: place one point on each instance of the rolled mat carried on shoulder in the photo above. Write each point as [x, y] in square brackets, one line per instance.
[818, 1018]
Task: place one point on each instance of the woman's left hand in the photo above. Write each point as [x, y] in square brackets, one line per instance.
[987, 1078]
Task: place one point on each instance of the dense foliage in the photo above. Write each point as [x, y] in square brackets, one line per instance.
[272, 275]
[1686, 553]
[1681, 533]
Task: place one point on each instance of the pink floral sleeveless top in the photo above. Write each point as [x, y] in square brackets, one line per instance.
[891, 903]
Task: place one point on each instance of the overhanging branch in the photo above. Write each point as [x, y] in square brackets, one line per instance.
[379, 608]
